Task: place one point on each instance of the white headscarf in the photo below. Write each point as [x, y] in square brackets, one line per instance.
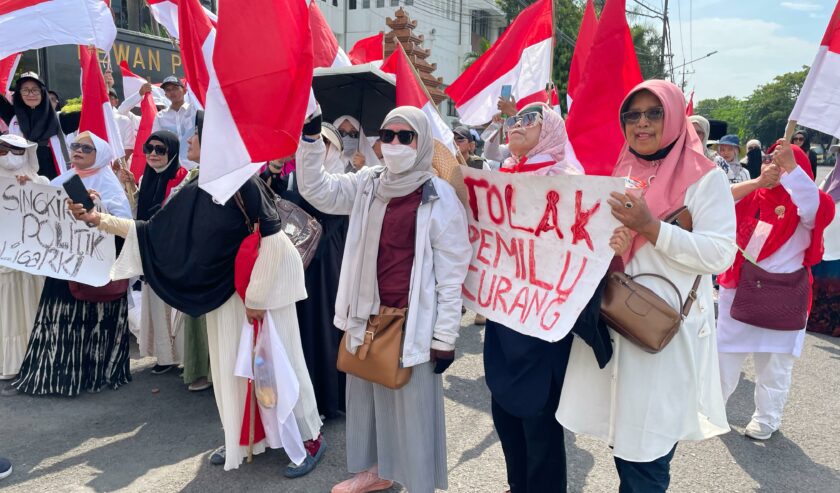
[706, 127]
[350, 144]
[26, 165]
[103, 180]
[363, 282]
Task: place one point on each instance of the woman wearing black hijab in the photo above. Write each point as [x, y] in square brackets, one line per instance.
[803, 140]
[31, 115]
[158, 335]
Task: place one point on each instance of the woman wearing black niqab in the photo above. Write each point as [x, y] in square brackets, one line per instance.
[37, 123]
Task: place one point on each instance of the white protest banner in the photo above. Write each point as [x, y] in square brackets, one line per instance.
[540, 247]
[38, 235]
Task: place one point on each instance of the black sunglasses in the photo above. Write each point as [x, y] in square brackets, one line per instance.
[354, 134]
[653, 115]
[14, 150]
[84, 148]
[159, 150]
[405, 137]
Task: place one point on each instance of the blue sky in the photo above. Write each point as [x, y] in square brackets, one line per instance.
[756, 40]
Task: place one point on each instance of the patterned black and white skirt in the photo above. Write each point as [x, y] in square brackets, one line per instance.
[75, 345]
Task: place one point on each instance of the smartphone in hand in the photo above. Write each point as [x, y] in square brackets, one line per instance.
[78, 193]
[506, 92]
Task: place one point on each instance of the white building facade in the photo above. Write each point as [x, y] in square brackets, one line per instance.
[451, 28]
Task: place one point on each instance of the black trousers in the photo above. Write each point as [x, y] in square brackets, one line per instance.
[645, 477]
[534, 448]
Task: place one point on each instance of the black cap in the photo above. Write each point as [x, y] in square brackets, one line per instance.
[464, 132]
[171, 80]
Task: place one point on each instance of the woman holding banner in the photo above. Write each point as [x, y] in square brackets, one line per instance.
[405, 259]
[642, 404]
[79, 345]
[524, 373]
[19, 291]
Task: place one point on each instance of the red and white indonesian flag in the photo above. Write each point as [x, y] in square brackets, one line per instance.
[257, 98]
[133, 82]
[198, 36]
[8, 66]
[412, 92]
[97, 114]
[325, 47]
[583, 45]
[31, 24]
[818, 104]
[521, 58]
[148, 113]
[612, 70]
[166, 13]
[369, 50]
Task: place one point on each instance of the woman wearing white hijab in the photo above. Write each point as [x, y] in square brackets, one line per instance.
[19, 291]
[350, 129]
[407, 246]
[80, 345]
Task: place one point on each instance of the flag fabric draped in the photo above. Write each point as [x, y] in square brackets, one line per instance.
[818, 104]
[148, 113]
[586, 35]
[325, 47]
[412, 92]
[521, 58]
[198, 36]
[369, 50]
[133, 82]
[612, 70]
[97, 114]
[689, 108]
[243, 127]
[165, 13]
[31, 24]
[8, 66]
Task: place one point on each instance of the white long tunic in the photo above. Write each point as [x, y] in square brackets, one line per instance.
[641, 403]
[738, 337]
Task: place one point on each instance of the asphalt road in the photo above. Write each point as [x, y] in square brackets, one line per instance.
[134, 439]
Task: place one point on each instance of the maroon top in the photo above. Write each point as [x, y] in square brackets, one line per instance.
[396, 249]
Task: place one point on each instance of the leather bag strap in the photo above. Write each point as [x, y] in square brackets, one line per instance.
[692, 294]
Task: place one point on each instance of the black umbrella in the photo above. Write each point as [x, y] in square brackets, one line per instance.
[361, 91]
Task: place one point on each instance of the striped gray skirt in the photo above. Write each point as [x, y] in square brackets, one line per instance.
[403, 431]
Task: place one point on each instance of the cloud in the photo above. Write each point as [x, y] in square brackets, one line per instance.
[751, 52]
[802, 6]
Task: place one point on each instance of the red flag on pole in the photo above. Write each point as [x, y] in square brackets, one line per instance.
[148, 113]
[97, 114]
[369, 50]
[8, 66]
[325, 47]
[583, 45]
[612, 70]
[818, 102]
[689, 108]
[197, 39]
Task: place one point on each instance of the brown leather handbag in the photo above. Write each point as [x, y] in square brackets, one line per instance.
[640, 315]
[379, 358]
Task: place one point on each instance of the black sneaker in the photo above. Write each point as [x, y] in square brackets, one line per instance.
[218, 457]
[161, 369]
[5, 468]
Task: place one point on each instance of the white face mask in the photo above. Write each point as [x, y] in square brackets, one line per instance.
[351, 144]
[398, 158]
[11, 162]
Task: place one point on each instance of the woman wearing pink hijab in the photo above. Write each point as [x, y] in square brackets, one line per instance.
[642, 404]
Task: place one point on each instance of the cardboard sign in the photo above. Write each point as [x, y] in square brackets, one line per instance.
[540, 247]
[38, 235]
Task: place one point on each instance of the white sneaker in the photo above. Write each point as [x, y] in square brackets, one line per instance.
[758, 431]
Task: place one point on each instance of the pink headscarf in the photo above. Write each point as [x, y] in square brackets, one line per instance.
[552, 140]
[684, 165]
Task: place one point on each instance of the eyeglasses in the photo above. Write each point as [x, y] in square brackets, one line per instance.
[83, 148]
[30, 92]
[14, 150]
[652, 115]
[798, 139]
[525, 120]
[405, 137]
[159, 150]
[354, 134]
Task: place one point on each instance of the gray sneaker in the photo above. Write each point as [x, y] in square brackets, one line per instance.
[758, 431]
[218, 457]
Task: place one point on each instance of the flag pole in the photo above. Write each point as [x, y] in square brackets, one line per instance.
[791, 126]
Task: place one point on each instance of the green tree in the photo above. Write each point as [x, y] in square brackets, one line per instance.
[767, 109]
[483, 46]
[729, 109]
